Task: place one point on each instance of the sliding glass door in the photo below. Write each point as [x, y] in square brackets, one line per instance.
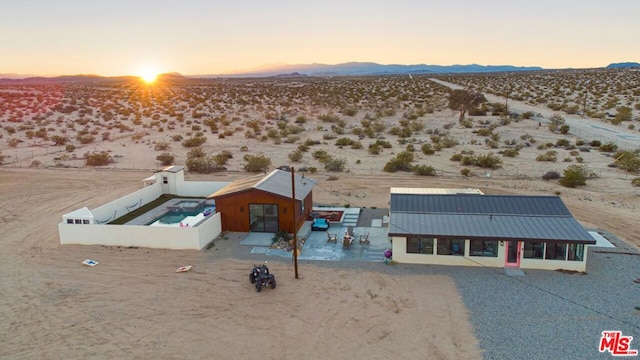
[263, 217]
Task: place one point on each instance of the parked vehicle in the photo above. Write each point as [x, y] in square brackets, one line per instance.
[260, 276]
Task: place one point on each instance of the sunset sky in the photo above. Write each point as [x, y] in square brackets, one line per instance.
[130, 37]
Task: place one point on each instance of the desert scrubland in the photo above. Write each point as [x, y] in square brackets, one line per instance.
[65, 145]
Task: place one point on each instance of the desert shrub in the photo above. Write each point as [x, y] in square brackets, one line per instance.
[564, 129]
[489, 161]
[401, 162]
[222, 158]
[466, 172]
[468, 160]
[98, 158]
[70, 148]
[579, 142]
[161, 146]
[562, 143]
[448, 142]
[628, 160]
[595, 143]
[295, 155]
[328, 136]
[374, 149]
[291, 139]
[456, 157]
[568, 159]
[34, 163]
[337, 165]
[484, 132]
[2, 157]
[165, 158]
[344, 142]
[528, 115]
[256, 163]
[635, 182]
[551, 175]
[321, 155]
[427, 149]
[356, 145]
[85, 139]
[203, 165]
[196, 152]
[58, 140]
[244, 148]
[176, 137]
[510, 152]
[551, 156]
[300, 120]
[194, 141]
[608, 147]
[574, 175]
[424, 170]
[329, 117]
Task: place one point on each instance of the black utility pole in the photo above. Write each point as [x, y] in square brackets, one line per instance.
[294, 211]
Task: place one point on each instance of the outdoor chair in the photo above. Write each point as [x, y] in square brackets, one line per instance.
[332, 237]
[364, 239]
[350, 231]
[346, 241]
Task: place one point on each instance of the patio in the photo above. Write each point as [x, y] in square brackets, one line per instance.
[316, 246]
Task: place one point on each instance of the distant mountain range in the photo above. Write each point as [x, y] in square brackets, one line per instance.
[370, 68]
[300, 70]
[623, 65]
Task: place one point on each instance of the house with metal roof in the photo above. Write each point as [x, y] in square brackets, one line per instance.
[265, 203]
[473, 229]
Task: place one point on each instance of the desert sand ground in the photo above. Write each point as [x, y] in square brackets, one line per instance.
[134, 305]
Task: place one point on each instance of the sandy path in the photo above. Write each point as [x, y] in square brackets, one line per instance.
[133, 305]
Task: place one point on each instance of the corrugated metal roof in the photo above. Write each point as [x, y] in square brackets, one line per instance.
[173, 169]
[433, 191]
[277, 182]
[479, 204]
[470, 226]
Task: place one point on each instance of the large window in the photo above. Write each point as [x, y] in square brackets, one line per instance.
[263, 217]
[417, 245]
[534, 250]
[451, 247]
[575, 252]
[555, 251]
[487, 248]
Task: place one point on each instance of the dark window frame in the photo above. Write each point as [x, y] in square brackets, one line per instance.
[422, 245]
[447, 246]
[483, 248]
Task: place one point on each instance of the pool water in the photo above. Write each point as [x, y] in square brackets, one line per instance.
[174, 217]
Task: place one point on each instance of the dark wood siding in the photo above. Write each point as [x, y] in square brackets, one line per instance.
[234, 209]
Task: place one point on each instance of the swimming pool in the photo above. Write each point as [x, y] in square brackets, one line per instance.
[176, 216]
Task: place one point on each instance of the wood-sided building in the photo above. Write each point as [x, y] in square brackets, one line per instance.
[263, 203]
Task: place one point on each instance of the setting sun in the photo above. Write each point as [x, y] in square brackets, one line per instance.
[149, 76]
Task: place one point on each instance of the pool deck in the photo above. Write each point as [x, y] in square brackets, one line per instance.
[316, 246]
[157, 212]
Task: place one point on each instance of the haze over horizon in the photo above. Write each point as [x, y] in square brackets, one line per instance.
[112, 38]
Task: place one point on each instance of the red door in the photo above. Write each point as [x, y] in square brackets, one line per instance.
[512, 258]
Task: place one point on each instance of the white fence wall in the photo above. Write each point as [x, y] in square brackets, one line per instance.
[127, 203]
[199, 188]
[162, 237]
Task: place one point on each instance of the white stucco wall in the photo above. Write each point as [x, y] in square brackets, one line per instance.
[127, 203]
[399, 248]
[176, 238]
[199, 188]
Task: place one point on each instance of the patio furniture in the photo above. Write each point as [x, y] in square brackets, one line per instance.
[364, 239]
[350, 231]
[332, 237]
[320, 224]
[346, 241]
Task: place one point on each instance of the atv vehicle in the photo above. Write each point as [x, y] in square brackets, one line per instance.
[260, 276]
